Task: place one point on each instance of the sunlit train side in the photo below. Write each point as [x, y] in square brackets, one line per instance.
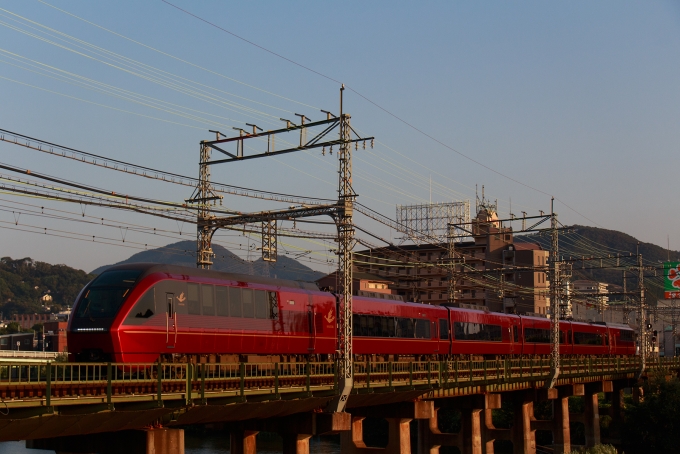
[136, 313]
[143, 312]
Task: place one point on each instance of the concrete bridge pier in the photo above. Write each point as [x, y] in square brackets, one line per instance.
[243, 441]
[471, 439]
[616, 412]
[398, 416]
[590, 418]
[523, 435]
[151, 441]
[296, 430]
[561, 428]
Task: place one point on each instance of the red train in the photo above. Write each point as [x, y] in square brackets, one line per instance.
[140, 312]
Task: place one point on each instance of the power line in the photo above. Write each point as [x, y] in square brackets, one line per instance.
[376, 105]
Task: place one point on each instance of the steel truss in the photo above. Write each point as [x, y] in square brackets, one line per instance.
[341, 212]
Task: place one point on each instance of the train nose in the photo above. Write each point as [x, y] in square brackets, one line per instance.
[92, 355]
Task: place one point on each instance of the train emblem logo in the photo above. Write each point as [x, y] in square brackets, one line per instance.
[330, 317]
[181, 298]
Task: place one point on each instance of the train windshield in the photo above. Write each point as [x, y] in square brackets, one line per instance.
[106, 294]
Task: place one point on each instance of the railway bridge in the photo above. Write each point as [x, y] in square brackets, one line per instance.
[140, 408]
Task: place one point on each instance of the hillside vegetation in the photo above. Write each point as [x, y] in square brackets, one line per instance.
[24, 281]
[594, 241]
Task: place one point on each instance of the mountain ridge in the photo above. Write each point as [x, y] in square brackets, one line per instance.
[595, 241]
[183, 253]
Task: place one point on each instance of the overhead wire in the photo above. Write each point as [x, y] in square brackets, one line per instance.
[182, 60]
[388, 112]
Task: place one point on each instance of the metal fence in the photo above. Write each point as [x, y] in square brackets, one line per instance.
[46, 381]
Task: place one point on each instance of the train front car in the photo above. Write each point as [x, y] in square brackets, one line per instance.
[92, 328]
[147, 311]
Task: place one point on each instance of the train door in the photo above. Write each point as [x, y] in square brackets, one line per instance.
[511, 337]
[311, 323]
[170, 321]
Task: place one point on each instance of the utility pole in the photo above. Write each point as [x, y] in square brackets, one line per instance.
[642, 317]
[451, 268]
[346, 197]
[555, 299]
[341, 212]
[203, 195]
[625, 299]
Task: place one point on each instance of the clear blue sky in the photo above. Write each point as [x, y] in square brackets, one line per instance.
[579, 100]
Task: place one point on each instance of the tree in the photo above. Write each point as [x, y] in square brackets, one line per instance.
[38, 328]
[12, 327]
[653, 424]
[23, 282]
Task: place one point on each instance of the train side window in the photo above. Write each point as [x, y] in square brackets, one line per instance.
[247, 302]
[363, 325]
[515, 333]
[391, 326]
[260, 297]
[422, 329]
[273, 305]
[477, 331]
[405, 327]
[626, 336]
[569, 337]
[537, 335]
[143, 309]
[193, 303]
[222, 301]
[587, 338]
[207, 299]
[356, 324]
[235, 309]
[562, 337]
[370, 323]
[443, 329]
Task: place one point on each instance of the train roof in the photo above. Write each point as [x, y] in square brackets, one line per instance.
[150, 268]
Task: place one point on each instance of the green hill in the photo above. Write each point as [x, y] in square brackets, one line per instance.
[583, 241]
[183, 253]
[24, 281]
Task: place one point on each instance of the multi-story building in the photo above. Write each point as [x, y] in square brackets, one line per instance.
[592, 299]
[491, 270]
[54, 333]
[363, 284]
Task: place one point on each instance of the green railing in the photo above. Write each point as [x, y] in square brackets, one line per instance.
[44, 383]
